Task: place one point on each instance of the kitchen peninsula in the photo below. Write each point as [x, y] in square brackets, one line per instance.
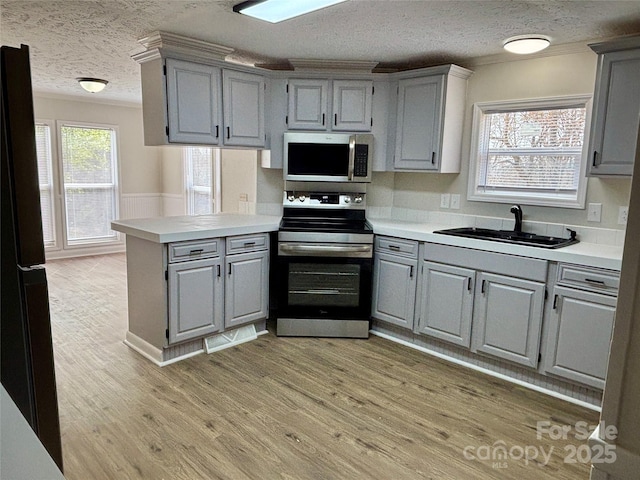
[192, 277]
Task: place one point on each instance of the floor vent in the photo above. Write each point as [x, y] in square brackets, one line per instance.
[230, 339]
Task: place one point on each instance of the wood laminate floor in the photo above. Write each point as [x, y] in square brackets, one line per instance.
[282, 408]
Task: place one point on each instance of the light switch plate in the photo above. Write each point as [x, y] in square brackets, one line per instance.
[445, 200]
[594, 212]
[455, 201]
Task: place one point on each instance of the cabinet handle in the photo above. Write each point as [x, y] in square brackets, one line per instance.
[597, 282]
[229, 269]
[469, 284]
[482, 289]
[410, 271]
[196, 251]
[595, 158]
[394, 247]
[217, 131]
[433, 158]
[228, 132]
[218, 268]
[555, 302]
[249, 244]
[335, 119]
[323, 115]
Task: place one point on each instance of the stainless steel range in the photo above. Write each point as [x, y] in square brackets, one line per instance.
[325, 257]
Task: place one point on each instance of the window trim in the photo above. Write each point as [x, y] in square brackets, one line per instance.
[483, 108]
[55, 186]
[119, 238]
[215, 177]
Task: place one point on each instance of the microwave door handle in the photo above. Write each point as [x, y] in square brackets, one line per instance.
[352, 156]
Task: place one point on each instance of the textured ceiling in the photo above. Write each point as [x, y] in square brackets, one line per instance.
[75, 38]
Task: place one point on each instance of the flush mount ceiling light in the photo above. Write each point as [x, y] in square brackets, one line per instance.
[275, 11]
[524, 44]
[92, 85]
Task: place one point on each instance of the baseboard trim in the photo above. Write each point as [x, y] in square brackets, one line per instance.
[462, 363]
[143, 348]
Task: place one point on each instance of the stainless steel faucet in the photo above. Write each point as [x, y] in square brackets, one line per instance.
[517, 211]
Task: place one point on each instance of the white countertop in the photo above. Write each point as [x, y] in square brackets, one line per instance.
[588, 254]
[175, 229]
[195, 227]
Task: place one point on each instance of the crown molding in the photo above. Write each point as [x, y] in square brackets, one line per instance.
[158, 43]
[332, 65]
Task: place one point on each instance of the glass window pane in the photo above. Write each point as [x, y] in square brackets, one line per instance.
[45, 168]
[198, 168]
[89, 166]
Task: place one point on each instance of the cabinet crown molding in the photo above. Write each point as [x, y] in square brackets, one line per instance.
[164, 42]
[302, 64]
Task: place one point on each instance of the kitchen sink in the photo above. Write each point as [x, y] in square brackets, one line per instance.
[511, 236]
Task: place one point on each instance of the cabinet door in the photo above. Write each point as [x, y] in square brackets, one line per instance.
[419, 119]
[579, 336]
[307, 104]
[247, 288]
[243, 109]
[352, 105]
[193, 102]
[394, 289]
[616, 114]
[508, 318]
[446, 303]
[195, 299]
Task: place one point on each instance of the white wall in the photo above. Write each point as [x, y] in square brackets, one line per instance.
[571, 74]
[239, 180]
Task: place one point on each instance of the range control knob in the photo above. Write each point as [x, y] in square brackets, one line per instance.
[291, 198]
[347, 199]
[358, 199]
[302, 198]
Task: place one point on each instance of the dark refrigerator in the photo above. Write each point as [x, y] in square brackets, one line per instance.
[26, 353]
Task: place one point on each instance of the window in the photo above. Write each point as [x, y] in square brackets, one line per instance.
[45, 175]
[89, 181]
[199, 179]
[530, 152]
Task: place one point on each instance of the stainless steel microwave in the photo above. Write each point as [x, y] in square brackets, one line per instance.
[328, 157]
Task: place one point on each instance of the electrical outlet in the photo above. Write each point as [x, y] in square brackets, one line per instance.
[594, 212]
[455, 201]
[623, 215]
[445, 200]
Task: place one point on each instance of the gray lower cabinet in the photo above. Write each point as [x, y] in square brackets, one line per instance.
[446, 302]
[195, 298]
[394, 281]
[508, 317]
[246, 297]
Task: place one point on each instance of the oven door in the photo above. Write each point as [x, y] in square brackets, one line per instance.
[331, 281]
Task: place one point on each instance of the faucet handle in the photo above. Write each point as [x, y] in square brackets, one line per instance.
[572, 234]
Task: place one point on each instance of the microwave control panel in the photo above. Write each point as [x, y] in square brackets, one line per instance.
[361, 160]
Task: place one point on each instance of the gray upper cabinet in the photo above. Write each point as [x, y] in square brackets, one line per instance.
[508, 318]
[243, 100]
[418, 127]
[616, 111]
[352, 100]
[309, 105]
[429, 120]
[195, 299]
[446, 303]
[194, 102]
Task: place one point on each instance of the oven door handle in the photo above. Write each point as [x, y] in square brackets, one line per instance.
[326, 250]
[352, 156]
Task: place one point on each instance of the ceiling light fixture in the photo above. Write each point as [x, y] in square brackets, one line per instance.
[525, 44]
[92, 85]
[275, 11]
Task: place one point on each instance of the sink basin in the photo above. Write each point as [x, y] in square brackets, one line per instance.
[509, 236]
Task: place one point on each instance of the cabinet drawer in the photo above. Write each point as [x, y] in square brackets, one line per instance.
[397, 246]
[247, 243]
[605, 281]
[192, 250]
